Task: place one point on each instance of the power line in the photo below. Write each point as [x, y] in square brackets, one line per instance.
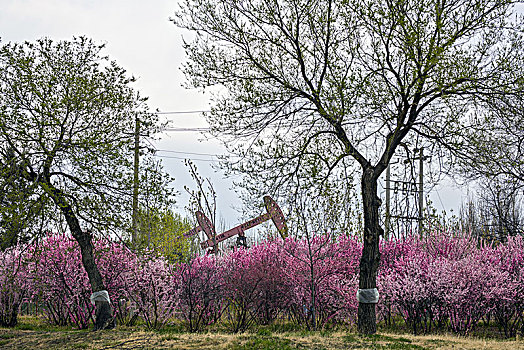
[184, 158]
[184, 112]
[440, 200]
[192, 153]
[182, 152]
[186, 129]
[151, 144]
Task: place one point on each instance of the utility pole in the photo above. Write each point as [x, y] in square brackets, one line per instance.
[407, 187]
[388, 199]
[421, 192]
[134, 237]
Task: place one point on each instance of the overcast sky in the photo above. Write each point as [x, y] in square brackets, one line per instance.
[141, 39]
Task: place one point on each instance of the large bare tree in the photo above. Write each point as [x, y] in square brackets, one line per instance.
[499, 150]
[306, 84]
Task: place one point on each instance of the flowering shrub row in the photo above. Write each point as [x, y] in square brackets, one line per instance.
[453, 283]
[57, 279]
[442, 282]
[14, 285]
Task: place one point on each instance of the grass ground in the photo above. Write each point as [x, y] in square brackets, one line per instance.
[34, 334]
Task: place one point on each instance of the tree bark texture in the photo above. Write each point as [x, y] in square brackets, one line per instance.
[370, 259]
[104, 313]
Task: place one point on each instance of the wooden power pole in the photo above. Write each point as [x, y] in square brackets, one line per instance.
[134, 236]
[387, 223]
[421, 193]
[419, 190]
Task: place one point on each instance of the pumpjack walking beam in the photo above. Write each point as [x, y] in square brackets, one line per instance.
[204, 224]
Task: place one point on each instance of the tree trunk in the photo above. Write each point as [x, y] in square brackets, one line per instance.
[370, 259]
[104, 312]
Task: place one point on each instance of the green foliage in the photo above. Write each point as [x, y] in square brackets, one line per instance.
[440, 221]
[66, 116]
[264, 332]
[162, 233]
[264, 343]
[19, 212]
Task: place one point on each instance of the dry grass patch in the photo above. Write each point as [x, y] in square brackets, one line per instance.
[34, 334]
